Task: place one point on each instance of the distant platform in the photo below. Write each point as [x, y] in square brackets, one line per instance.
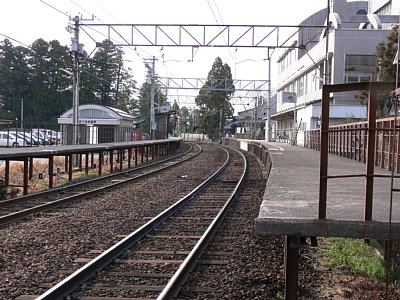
[290, 204]
[48, 150]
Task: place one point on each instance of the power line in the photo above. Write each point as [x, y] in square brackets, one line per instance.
[61, 12]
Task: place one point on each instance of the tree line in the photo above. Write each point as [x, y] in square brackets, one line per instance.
[39, 78]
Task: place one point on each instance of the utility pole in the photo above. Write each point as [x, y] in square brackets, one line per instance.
[152, 118]
[268, 128]
[76, 48]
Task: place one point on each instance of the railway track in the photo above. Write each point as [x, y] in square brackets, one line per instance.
[154, 261]
[24, 207]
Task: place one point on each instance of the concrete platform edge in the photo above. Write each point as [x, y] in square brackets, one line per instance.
[326, 228]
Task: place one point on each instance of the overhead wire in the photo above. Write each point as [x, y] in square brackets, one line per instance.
[218, 23]
[64, 13]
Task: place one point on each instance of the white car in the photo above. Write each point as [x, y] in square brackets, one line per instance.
[50, 136]
[8, 139]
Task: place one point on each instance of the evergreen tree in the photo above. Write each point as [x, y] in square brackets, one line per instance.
[214, 99]
[14, 78]
[386, 69]
[37, 76]
[386, 53]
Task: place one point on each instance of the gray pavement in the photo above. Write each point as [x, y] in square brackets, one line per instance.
[290, 204]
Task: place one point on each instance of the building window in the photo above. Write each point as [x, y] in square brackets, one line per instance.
[359, 68]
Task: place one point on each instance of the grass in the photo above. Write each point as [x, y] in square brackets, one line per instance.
[357, 255]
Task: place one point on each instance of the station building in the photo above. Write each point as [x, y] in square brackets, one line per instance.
[346, 54]
[97, 124]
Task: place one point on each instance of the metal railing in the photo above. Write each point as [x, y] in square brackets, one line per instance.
[51, 134]
[350, 141]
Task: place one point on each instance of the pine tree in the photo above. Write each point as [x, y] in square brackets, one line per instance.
[214, 99]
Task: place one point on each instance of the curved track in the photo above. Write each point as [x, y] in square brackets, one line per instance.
[27, 206]
[170, 244]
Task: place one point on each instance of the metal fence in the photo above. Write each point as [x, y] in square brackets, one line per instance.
[26, 134]
[350, 141]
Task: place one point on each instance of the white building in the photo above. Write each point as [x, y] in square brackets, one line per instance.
[356, 29]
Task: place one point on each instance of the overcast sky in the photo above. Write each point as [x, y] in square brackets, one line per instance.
[28, 20]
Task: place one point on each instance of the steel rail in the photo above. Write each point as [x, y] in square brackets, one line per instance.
[27, 213]
[73, 281]
[174, 285]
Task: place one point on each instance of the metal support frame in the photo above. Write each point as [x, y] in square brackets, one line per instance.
[30, 168]
[100, 163]
[217, 84]
[371, 129]
[66, 164]
[87, 164]
[292, 245]
[51, 171]
[26, 177]
[111, 153]
[7, 173]
[198, 35]
[121, 159]
[70, 167]
[129, 156]
[144, 150]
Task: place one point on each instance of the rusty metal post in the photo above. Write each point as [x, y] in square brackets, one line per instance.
[376, 143]
[86, 164]
[323, 181]
[390, 147]
[30, 168]
[70, 167]
[354, 141]
[66, 163]
[129, 157]
[7, 173]
[346, 142]
[100, 162]
[383, 144]
[360, 131]
[26, 176]
[80, 161]
[292, 244]
[111, 161]
[121, 159]
[92, 160]
[370, 166]
[398, 151]
[51, 171]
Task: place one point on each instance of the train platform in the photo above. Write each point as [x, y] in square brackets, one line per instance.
[291, 202]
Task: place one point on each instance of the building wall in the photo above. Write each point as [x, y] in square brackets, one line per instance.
[305, 73]
[375, 6]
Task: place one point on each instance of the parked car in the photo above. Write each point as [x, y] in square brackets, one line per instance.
[7, 139]
[38, 137]
[27, 137]
[49, 136]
